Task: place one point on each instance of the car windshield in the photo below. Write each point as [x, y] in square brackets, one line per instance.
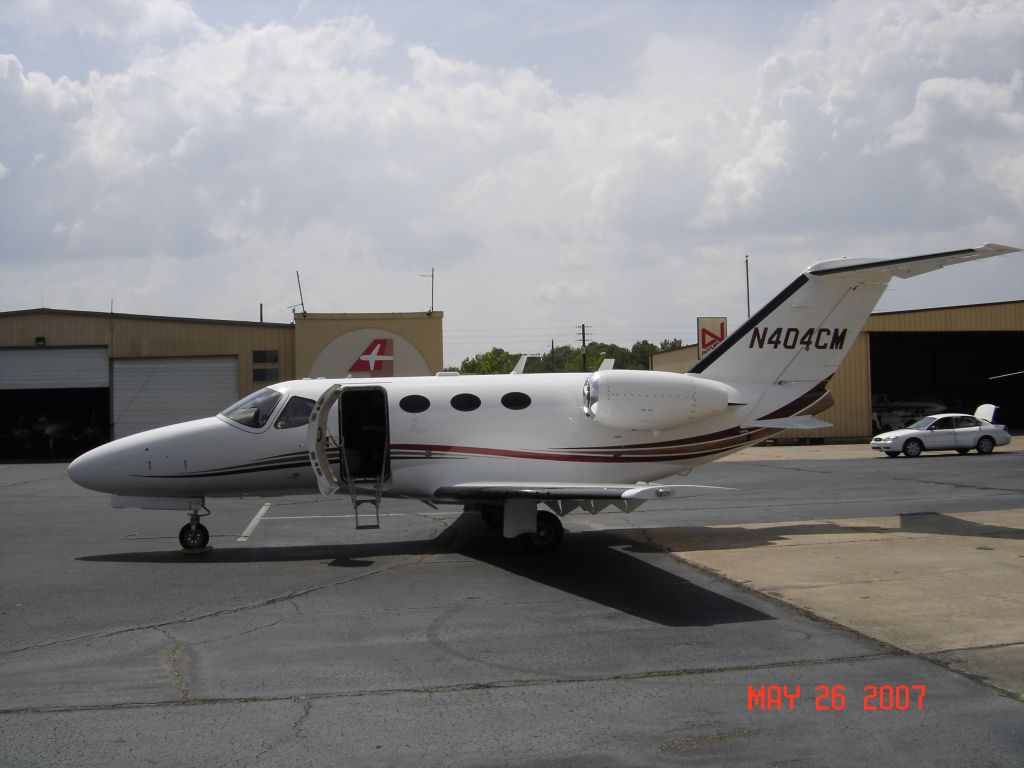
[254, 410]
[924, 423]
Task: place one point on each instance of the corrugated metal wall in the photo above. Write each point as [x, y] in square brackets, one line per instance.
[135, 336]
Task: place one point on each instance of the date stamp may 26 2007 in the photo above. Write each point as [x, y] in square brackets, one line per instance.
[834, 698]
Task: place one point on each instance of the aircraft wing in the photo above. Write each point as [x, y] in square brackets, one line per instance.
[480, 491]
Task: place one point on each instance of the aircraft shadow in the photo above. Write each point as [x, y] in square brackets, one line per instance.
[603, 567]
[706, 538]
[607, 568]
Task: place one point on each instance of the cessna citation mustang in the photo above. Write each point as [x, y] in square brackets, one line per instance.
[523, 450]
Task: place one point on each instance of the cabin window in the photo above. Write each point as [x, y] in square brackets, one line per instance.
[295, 413]
[254, 410]
[465, 402]
[414, 403]
[516, 401]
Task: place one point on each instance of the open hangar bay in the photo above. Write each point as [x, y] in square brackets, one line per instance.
[643, 641]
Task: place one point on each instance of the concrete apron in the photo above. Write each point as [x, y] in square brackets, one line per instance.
[947, 587]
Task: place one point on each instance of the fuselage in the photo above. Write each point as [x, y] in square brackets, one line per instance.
[440, 431]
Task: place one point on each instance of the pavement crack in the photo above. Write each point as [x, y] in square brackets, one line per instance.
[177, 660]
[160, 625]
[293, 733]
[485, 685]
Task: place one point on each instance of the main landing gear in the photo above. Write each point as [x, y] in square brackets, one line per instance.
[537, 530]
[193, 536]
[548, 536]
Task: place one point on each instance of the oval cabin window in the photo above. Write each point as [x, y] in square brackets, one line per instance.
[414, 403]
[465, 402]
[516, 401]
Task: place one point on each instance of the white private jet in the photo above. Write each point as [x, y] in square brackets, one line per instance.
[523, 450]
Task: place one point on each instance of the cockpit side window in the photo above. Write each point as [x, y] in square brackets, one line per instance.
[254, 410]
[295, 413]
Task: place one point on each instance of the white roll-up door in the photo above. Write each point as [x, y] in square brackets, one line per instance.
[154, 392]
[54, 368]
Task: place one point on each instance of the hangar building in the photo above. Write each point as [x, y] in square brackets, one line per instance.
[72, 380]
[912, 363]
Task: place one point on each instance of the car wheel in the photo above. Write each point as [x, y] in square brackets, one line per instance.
[892, 454]
[985, 445]
[963, 451]
[912, 448]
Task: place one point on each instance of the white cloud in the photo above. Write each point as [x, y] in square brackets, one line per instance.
[102, 19]
[197, 176]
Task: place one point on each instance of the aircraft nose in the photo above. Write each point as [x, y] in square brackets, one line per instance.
[94, 469]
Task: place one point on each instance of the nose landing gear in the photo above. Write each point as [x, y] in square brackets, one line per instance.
[193, 536]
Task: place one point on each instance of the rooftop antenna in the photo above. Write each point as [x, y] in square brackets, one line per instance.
[431, 276]
[302, 302]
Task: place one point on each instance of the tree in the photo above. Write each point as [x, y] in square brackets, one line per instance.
[568, 358]
[495, 361]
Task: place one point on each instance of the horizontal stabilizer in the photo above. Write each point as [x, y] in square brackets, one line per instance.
[793, 422]
[910, 266]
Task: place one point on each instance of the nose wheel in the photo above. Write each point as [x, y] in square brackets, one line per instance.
[193, 535]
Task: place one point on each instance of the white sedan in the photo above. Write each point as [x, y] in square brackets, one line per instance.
[945, 432]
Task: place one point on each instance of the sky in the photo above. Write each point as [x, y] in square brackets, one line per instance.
[556, 162]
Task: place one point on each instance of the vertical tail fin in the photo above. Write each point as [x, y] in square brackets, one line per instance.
[804, 333]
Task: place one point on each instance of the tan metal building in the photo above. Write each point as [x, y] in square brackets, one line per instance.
[907, 364]
[69, 379]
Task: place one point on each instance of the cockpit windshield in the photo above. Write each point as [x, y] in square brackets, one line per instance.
[295, 414]
[254, 410]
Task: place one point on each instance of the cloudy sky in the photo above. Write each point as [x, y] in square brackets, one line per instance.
[556, 161]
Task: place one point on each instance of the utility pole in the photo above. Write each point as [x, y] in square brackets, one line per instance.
[746, 265]
[583, 334]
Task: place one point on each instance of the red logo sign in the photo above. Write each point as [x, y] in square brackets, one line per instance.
[711, 332]
[377, 359]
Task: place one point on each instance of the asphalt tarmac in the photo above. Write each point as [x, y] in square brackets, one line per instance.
[434, 642]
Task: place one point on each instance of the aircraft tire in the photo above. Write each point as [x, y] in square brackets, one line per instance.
[548, 536]
[193, 538]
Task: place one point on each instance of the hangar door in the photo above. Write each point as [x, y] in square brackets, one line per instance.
[56, 401]
[947, 371]
[154, 392]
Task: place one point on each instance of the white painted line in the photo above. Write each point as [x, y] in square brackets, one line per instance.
[255, 521]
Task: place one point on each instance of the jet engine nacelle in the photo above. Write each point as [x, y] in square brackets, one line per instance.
[652, 400]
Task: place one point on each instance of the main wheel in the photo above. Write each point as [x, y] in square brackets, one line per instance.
[985, 445]
[548, 536]
[912, 448]
[193, 537]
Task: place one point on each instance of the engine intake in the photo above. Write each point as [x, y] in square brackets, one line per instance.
[652, 399]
